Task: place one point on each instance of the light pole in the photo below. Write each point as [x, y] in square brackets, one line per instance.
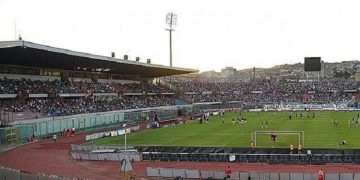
[125, 163]
[124, 126]
[171, 21]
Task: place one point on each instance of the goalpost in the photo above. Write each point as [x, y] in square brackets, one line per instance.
[300, 134]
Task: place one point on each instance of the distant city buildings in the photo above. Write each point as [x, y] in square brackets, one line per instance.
[294, 72]
[229, 73]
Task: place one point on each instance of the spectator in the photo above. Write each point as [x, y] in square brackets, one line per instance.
[321, 175]
[228, 172]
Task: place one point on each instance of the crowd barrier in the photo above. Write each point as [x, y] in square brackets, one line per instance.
[104, 156]
[243, 150]
[317, 159]
[78, 147]
[197, 174]
[13, 174]
[82, 152]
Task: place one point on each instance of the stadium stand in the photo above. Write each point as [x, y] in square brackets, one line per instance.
[35, 84]
[38, 97]
[268, 92]
[40, 89]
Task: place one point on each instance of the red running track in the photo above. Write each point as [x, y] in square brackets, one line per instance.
[48, 157]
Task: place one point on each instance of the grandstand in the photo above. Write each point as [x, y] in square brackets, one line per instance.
[42, 81]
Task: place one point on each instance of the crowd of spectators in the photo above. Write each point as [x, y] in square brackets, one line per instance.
[11, 86]
[69, 106]
[55, 105]
[322, 91]
[265, 92]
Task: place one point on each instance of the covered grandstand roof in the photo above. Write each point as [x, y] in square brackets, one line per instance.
[23, 53]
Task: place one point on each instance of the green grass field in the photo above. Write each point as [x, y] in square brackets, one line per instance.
[319, 132]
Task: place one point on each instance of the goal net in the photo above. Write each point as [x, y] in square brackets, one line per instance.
[283, 138]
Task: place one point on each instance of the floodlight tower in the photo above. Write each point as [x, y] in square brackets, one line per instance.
[171, 21]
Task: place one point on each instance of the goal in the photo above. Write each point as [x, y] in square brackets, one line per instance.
[299, 134]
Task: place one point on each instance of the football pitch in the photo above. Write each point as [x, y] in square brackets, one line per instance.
[318, 132]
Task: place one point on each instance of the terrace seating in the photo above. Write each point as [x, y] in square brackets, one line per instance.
[317, 159]
[57, 98]
[267, 92]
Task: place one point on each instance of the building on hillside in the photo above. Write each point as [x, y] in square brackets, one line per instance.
[210, 74]
[229, 73]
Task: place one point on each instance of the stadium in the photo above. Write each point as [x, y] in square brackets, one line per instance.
[79, 115]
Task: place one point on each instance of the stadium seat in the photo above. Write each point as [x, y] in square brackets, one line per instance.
[317, 159]
[222, 158]
[212, 157]
[155, 157]
[252, 158]
[241, 158]
[327, 158]
[174, 157]
[192, 157]
[273, 159]
[337, 159]
[348, 159]
[204, 157]
[304, 159]
[357, 159]
[183, 157]
[294, 159]
[146, 156]
[164, 157]
[284, 158]
[263, 158]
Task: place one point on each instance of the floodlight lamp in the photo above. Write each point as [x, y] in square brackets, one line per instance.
[171, 19]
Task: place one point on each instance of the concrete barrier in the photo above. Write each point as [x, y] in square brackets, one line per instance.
[135, 157]
[93, 157]
[13, 174]
[254, 175]
[346, 176]
[73, 147]
[219, 175]
[194, 174]
[332, 176]
[207, 174]
[85, 148]
[165, 172]
[9, 173]
[103, 157]
[274, 176]
[113, 157]
[284, 176]
[310, 176]
[357, 176]
[28, 176]
[74, 156]
[244, 175]
[235, 176]
[314, 176]
[94, 147]
[178, 172]
[49, 178]
[296, 176]
[152, 172]
[264, 175]
[84, 157]
[78, 148]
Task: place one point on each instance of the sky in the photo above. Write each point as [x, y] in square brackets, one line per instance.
[210, 34]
